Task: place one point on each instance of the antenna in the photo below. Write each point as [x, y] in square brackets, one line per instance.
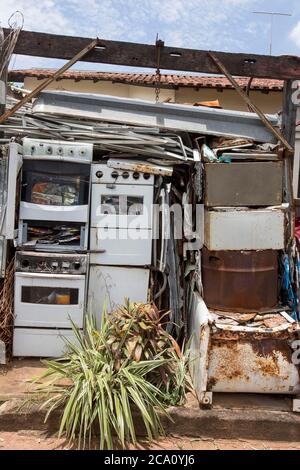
[271, 14]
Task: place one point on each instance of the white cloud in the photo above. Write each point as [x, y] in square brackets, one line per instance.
[295, 34]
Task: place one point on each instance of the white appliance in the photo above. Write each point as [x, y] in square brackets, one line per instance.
[121, 217]
[50, 293]
[55, 192]
[244, 229]
[109, 286]
[36, 342]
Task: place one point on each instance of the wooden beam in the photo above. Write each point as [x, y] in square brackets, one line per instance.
[79, 55]
[251, 104]
[142, 55]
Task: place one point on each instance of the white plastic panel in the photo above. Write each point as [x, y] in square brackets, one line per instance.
[48, 311]
[140, 214]
[261, 229]
[121, 246]
[109, 286]
[30, 211]
[35, 342]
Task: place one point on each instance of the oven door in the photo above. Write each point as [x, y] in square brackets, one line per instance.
[49, 300]
[55, 190]
[122, 206]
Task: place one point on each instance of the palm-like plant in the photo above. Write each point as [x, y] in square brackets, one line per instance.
[130, 366]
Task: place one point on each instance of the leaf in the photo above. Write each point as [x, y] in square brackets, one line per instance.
[138, 353]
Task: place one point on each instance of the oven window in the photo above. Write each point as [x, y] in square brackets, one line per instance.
[122, 205]
[55, 184]
[49, 295]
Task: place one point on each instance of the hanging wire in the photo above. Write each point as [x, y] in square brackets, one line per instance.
[9, 42]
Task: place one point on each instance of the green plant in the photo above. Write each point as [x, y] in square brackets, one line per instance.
[136, 333]
[96, 391]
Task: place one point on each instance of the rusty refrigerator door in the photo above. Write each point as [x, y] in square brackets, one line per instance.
[243, 184]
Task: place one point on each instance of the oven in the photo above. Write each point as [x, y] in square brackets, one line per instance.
[50, 295]
[121, 216]
[55, 193]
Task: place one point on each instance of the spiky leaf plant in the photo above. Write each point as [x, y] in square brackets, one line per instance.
[98, 395]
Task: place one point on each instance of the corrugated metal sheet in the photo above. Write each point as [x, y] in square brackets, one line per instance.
[231, 229]
[243, 184]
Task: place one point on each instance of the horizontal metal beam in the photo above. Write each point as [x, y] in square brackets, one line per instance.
[178, 117]
[143, 55]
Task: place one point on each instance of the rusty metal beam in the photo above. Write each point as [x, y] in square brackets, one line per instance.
[250, 103]
[143, 55]
[47, 82]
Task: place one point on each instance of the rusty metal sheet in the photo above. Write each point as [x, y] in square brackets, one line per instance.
[243, 184]
[240, 280]
[252, 366]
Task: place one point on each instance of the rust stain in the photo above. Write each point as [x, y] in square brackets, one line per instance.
[268, 366]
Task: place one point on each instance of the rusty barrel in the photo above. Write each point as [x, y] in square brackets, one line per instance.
[240, 280]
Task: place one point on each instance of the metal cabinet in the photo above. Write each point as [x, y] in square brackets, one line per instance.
[243, 184]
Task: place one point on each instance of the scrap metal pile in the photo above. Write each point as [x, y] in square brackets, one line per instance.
[225, 171]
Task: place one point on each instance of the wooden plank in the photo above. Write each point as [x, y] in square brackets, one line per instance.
[251, 104]
[36, 91]
[142, 55]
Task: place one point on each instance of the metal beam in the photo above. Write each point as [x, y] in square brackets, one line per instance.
[142, 55]
[178, 117]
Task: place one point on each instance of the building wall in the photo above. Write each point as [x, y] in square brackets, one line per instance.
[268, 102]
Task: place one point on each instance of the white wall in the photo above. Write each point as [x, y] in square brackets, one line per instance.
[268, 102]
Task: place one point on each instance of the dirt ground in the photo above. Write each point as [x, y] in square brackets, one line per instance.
[35, 440]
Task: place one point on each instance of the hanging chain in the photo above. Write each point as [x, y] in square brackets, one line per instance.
[159, 45]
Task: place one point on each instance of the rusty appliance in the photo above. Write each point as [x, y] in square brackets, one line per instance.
[239, 354]
[240, 280]
[243, 184]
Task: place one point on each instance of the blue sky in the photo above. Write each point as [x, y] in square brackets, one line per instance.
[226, 25]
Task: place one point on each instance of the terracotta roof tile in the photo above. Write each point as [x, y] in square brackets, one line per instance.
[167, 80]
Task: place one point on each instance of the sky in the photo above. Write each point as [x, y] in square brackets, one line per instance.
[221, 25]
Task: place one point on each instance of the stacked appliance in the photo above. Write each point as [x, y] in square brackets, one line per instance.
[244, 229]
[51, 257]
[120, 237]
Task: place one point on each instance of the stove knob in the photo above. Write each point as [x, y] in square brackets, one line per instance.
[25, 263]
[49, 150]
[135, 175]
[77, 265]
[125, 174]
[114, 174]
[146, 176]
[99, 174]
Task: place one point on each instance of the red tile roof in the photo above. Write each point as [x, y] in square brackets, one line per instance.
[147, 79]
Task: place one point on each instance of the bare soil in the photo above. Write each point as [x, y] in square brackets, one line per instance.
[36, 440]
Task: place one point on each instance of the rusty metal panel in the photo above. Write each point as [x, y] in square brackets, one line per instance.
[244, 229]
[243, 184]
[240, 280]
[252, 365]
